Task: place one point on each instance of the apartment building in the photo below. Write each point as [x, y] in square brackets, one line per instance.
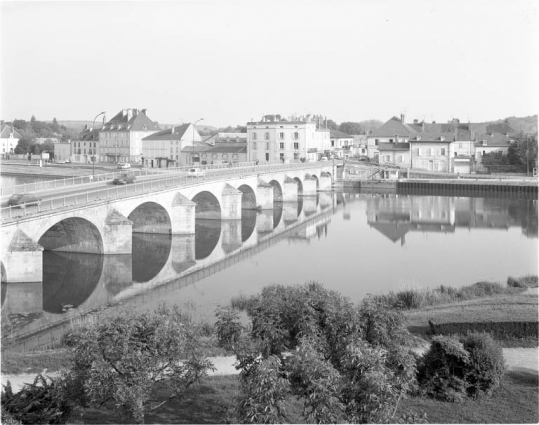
[9, 138]
[164, 148]
[85, 148]
[120, 139]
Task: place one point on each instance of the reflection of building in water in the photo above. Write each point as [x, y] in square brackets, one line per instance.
[395, 215]
[311, 230]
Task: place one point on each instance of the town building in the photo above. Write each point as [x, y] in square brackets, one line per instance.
[9, 139]
[120, 139]
[62, 151]
[392, 131]
[279, 140]
[486, 143]
[164, 148]
[85, 148]
[341, 144]
[395, 154]
[226, 137]
[432, 151]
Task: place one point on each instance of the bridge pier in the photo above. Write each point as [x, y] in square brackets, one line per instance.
[231, 235]
[309, 187]
[182, 215]
[264, 222]
[290, 190]
[23, 260]
[290, 212]
[264, 195]
[324, 183]
[117, 237]
[23, 297]
[182, 252]
[231, 203]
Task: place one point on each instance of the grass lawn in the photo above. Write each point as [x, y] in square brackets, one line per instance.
[518, 307]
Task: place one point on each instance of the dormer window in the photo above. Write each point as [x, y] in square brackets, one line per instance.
[442, 138]
[484, 142]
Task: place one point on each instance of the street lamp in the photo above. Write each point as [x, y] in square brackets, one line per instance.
[193, 156]
[95, 148]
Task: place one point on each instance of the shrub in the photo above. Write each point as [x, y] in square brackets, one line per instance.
[454, 369]
[44, 401]
[122, 359]
[342, 362]
[486, 366]
[528, 281]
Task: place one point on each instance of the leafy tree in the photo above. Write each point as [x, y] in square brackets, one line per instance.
[352, 128]
[123, 359]
[24, 145]
[343, 362]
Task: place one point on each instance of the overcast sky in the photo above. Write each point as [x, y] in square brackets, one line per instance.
[232, 61]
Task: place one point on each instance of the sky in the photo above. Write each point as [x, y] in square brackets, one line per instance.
[232, 61]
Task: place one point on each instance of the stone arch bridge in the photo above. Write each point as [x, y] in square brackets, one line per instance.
[106, 226]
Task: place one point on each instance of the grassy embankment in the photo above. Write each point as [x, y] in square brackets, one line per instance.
[498, 307]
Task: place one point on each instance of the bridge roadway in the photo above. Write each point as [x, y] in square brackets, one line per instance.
[102, 220]
[112, 283]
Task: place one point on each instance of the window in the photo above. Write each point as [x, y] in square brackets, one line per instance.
[418, 151]
[390, 140]
[333, 143]
[281, 156]
[376, 142]
[388, 158]
[266, 135]
[281, 136]
[442, 151]
[281, 145]
[460, 145]
[296, 136]
[267, 145]
[254, 136]
[484, 142]
[225, 156]
[254, 146]
[296, 145]
[400, 159]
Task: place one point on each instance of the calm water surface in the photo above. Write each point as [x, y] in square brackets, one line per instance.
[7, 181]
[357, 244]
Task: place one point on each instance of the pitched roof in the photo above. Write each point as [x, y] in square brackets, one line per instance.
[88, 136]
[199, 147]
[131, 120]
[429, 137]
[174, 133]
[239, 148]
[7, 130]
[393, 127]
[494, 139]
[393, 146]
[336, 134]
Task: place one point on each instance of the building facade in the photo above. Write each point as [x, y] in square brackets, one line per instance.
[62, 151]
[9, 138]
[341, 144]
[432, 151]
[120, 139]
[85, 148]
[164, 148]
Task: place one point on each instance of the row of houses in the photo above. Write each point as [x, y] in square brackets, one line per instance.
[453, 147]
[131, 136]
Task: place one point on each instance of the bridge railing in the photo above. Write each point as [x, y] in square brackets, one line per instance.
[93, 195]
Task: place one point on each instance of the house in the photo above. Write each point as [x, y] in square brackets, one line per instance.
[394, 154]
[164, 148]
[392, 131]
[223, 152]
[279, 140]
[227, 137]
[120, 139]
[359, 146]
[491, 142]
[432, 151]
[9, 139]
[341, 143]
[85, 148]
[62, 151]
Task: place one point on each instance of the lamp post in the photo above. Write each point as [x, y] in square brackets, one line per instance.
[193, 156]
[95, 148]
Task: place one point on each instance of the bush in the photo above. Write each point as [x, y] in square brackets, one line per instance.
[44, 401]
[454, 369]
[528, 281]
[342, 362]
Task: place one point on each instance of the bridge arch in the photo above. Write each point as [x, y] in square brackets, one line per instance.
[300, 185]
[150, 217]
[207, 206]
[325, 174]
[73, 234]
[150, 254]
[314, 177]
[248, 197]
[277, 191]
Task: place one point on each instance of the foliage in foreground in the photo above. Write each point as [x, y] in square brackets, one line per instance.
[343, 362]
[123, 358]
[453, 369]
[44, 401]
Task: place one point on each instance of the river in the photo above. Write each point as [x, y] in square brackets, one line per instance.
[354, 243]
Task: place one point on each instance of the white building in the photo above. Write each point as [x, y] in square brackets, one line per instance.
[9, 140]
[120, 139]
[284, 141]
[164, 148]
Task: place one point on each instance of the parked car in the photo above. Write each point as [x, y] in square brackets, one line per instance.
[124, 179]
[123, 165]
[195, 172]
[323, 158]
[363, 158]
[23, 200]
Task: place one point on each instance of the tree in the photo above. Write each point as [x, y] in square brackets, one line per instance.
[352, 128]
[123, 358]
[342, 362]
[24, 145]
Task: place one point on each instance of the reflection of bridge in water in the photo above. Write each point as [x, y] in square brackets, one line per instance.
[76, 285]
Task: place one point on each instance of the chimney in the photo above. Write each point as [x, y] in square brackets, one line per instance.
[416, 121]
[423, 126]
[124, 112]
[143, 111]
[402, 118]
[129, 114]
[171, 130]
